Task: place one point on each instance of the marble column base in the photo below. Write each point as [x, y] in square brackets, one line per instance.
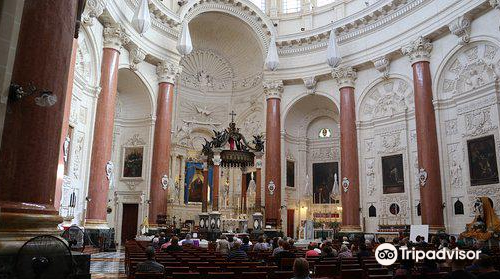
[17, 228]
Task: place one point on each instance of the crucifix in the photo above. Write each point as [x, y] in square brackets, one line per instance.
[232, 116]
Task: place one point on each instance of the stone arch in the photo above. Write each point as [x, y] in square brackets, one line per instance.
[286, 110]
[468, 68]
[132, 85]
[88, 62]
[241, 9]
[386, 98]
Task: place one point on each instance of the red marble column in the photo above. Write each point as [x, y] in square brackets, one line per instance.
[273, 90]
[103, 130]
[30, 149]
[258, 182]
[65, 126]
[243, 192]
[162, 142]
[204, 190]
[431, 199]
[349, 150]
[216, 179]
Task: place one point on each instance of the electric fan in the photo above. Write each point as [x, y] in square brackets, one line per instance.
[44, 257]
[75, 237]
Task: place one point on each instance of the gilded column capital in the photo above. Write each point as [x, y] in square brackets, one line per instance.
[273, 89]
[167, 71]
[418, 50]
[345, 76]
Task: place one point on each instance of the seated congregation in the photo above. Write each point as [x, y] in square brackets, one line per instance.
[280, 258]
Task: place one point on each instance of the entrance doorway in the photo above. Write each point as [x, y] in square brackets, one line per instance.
[129, 221]
[290, 224]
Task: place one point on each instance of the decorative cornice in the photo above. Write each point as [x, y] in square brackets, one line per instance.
[382, 65]
[115, 37]
[460, 27]
[273, 89]
[349, 28]
[167, 71]
[418, 50]
[345, 76]
[136, 56]
[93, 9]
[310, 84]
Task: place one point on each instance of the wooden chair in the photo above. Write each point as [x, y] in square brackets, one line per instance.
[186, 275]
[351, 273]
[144, 275]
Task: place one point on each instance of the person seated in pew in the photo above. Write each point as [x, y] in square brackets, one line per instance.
[237, 254]
[222, 245]
[150, 265]
[260, 245]
[285, 253]
[311, 250]
[458, 271]
[364, 252]
[301, 269]
[245, 246]
[187, 240]
[328, 253]
[291, 242]
[163, 239]
[345, 252]
[174, 245]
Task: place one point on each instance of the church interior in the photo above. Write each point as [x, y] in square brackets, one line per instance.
[140, 137]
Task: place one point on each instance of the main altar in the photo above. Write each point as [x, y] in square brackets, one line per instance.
[229, 149]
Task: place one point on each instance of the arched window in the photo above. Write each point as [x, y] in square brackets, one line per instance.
[260, 3]
[419, 210]
[372, 211]
[290, 6]
[459, 208]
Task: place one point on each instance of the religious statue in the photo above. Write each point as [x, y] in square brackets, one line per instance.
[485, 222]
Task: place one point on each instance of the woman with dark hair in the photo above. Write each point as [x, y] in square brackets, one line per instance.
[301, 269]
[174, 245]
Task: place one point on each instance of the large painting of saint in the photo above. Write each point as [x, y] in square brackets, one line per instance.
[132, 162]
[290, 173]
[482, 161]
[323, 180]
[193, 184]
[392, 174]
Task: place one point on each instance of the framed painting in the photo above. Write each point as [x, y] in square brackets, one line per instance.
[393, 174]
[323, 180]
[133, 158]
[482, 161]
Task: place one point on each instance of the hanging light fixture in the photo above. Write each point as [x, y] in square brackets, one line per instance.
[336, 188]
[142, 19]
[332, 52]
[272, 60]
[184, 45]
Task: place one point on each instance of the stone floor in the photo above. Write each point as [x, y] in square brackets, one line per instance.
[108, 265]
